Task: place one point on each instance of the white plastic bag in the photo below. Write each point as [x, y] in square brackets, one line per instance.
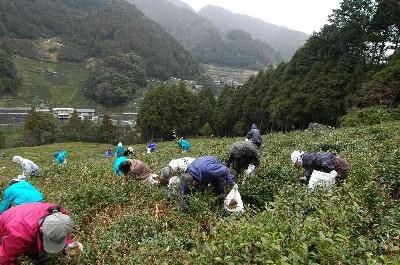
[148, 150]
[229, 205]
[322, 179]
[173, 185]
[250, 170]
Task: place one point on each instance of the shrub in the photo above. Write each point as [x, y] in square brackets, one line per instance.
[369, 116]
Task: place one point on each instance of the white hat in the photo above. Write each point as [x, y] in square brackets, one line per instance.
[296, 156]
[130, 149]
[119, 144]
[17, 159]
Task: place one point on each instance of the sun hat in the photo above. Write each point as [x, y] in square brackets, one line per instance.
[56, 228]
[296, 155]
[17, 159]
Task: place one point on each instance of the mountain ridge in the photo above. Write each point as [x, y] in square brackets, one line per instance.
[278, 36]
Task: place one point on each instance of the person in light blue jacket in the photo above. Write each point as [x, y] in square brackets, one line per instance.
[61, 158]
[184, 144]
[19, 192]
[118, 161]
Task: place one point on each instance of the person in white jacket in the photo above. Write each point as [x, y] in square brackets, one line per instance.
[174, 168]
[28, 167]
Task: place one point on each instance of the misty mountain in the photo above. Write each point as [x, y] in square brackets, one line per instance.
[284, 40]
[92, 28]
[180, 3]
[202, 38]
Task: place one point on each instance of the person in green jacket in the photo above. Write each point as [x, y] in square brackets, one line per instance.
[19, 192]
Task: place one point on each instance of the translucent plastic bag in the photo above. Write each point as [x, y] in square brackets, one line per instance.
[173, 185]
[322, 179]
[233, 202]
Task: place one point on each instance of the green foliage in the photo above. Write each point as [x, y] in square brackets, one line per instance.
[384, 87]
[283, 222]
[114, 80]
[8, 73]
[40, 128]
[2, 139]
[199, 36]
[206, 130]
[106, 130]
[369, 116]
[123, 29]
[326, 77]
[71, 130]
[166, 108]
[238, 49]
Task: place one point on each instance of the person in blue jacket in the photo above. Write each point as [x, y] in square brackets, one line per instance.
[151, 148]
[184, 145]
[205, 170]
[108, 153]
[117, 162]
[322, 161]
[120, 150]
[254, 136]
[19, 192]
[61, 158]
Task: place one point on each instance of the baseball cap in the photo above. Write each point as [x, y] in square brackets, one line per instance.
[55, 228]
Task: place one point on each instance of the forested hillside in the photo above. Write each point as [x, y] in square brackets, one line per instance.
[205, 41]
[92, 28]
[8, 73]
[283, 40]
[345, 65]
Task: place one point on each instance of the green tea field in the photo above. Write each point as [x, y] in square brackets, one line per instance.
[283, 222]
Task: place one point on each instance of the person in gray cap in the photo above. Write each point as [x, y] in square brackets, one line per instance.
[36, 230]
[175, 167]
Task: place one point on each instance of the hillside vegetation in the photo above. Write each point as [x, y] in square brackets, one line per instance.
[201, 37]
[284, 223]
[351, 62]
[92, 28]
[55, 84]
[283, 40]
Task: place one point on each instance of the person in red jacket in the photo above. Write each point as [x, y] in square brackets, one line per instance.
[35, 229]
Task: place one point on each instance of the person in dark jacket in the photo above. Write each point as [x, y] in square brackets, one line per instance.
[206, 170]
[254, 136]
[325, 162]
[241, 155]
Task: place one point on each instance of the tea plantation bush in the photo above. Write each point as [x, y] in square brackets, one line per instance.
[283, 223]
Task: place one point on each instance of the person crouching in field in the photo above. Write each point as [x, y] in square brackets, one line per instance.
[120, 150]
[27, 166]
[19, 192]
[241, 155]
[254, 136]
[175, 167]
[184, 145]
[132, 168]
[206, 170]
[35, 229]
[129, 152]
[61, 158]
[325, 162]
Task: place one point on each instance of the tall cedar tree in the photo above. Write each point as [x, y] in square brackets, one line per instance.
[106, 130]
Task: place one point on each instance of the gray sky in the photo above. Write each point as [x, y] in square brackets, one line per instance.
[303, 15]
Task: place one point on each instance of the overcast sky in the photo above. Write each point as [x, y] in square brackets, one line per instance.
[303, 15]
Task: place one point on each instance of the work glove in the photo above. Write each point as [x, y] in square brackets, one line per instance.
[235, 187]
[74, 248]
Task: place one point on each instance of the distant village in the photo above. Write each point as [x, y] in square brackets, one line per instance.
[18, 115]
